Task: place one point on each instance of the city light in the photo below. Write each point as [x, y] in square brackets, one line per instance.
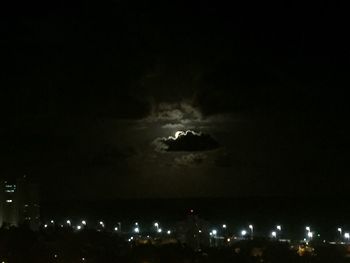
[274, 234]
[223, 226]
[243, 232]
[310, 235]
[279, 227]
[347, 235]
[116, 229]
[307, 228]
[339, 230]
[168, 232]
[52, 222]
[214, 232]
[78, 227]
[159, 230]
[156, 224]
[83, 222]
[68, 222]
[102, 224]
[45, 226]
[251, 231]
[137, 230]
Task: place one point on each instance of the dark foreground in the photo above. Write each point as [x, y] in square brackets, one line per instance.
[64, 245]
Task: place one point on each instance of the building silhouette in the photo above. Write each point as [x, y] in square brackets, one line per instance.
[19, 203]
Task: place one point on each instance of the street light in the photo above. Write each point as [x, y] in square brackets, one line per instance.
[137, 230]
[214, 232]
[243, 232]
[274, 234]
[251, 230]
[307, 228]
[83, 222]
[68, 222]
[279, 228]
[168, 232]
[347, 236]
[224, 226]
[159, 230]
[310, 235]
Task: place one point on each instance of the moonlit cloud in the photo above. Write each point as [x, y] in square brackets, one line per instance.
[182, 112]
[187, 141]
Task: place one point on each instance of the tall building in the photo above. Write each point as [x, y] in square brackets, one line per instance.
[8, 208]
[19, 203]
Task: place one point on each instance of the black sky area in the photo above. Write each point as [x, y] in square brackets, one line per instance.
[91, 92]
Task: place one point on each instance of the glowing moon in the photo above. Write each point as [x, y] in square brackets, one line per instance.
[177, 134]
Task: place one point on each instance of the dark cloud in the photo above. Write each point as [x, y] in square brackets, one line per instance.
[189, 141]
[192, 159]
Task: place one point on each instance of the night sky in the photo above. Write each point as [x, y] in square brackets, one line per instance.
[93, 93]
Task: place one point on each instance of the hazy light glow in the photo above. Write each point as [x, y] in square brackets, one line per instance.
[279, 227]
[243, 232]
[310, 234]
[274, 234]
[168, 232]
[178, 133]
[137, 230]
[307, 228]
[224, 226]
[347, 235]
[251, 226]
[159, 230]
[83, 222]
[214, 232]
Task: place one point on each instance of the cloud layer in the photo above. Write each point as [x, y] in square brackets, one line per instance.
[188, 141]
